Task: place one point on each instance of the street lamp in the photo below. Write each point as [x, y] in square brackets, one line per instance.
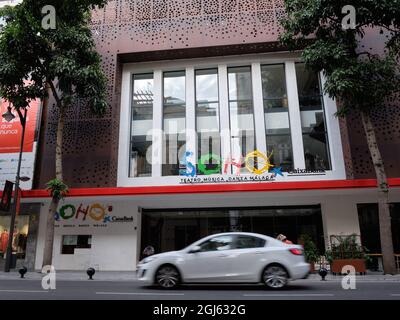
[9, 116]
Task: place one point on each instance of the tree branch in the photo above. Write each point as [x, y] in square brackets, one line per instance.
[55, 94]
[389, 29]
[369, 54]
[22, 117]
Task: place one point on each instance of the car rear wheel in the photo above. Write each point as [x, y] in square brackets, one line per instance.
[167, 277]
[275, 277]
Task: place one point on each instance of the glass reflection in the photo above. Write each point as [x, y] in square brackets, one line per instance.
[174, 115]
[277, 116]
[142, 123]
[315, 135]
[207, 116]
[241, 112]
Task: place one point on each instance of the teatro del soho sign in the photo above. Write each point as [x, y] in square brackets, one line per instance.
[257, 164]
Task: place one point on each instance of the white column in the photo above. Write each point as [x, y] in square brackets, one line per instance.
[224, 113]
[334, 137]
[294, 115]
[259, 118]
[191, 143]
[125, 124]
[157, 124]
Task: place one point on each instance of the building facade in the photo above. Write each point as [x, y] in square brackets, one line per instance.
[212, 126]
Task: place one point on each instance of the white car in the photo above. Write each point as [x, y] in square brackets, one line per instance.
[234, 257]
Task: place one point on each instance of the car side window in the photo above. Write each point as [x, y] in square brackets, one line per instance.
[217, 244]
[247, 242]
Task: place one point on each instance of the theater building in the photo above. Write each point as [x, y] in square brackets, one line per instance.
[212, 127]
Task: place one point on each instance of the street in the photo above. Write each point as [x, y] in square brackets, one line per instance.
[132, 290]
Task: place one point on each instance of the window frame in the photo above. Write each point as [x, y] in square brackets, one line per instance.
[218, 115]
[251, 101]
[74, 247]
[279, 110]
[324, 111]
[131, 125]
[166, 141]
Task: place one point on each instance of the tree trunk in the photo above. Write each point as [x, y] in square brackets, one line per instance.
[385, 226]
[49, 240]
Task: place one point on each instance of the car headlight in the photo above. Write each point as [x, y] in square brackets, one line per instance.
[148, 259]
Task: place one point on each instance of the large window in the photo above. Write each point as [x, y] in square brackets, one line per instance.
[315, 136]
[72, 242]
[142, 124]
[174, 115]
[225, 118]
[207, 118]
[276, 112]
[241, 112]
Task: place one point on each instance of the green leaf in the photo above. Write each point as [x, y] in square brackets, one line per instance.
[57, 188]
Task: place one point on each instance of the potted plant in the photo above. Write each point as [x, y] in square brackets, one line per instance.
[310, 250]
[346, 250]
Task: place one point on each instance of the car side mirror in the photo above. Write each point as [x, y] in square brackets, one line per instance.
[195, 249]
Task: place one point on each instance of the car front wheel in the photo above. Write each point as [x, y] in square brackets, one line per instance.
[167, 277]
[275, 277]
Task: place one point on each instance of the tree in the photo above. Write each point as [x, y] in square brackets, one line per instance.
[359, 79]
[38, 61]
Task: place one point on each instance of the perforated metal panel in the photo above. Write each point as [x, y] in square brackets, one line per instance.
[387, 126]
[91, 143]
[145, 27]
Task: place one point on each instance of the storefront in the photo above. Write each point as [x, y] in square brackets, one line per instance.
[92, 232]
[173, 229]
[108, 228]
[24, 236]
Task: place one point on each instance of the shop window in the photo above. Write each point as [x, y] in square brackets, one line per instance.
[72, 242]
[207, 117]
[368, 217]
[142, 124]
[174, 229]
[20, 235]
[241, 112]
[174, 115]
[276, 112]
[315, 136]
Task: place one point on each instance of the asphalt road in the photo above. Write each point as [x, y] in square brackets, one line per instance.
[132, 290]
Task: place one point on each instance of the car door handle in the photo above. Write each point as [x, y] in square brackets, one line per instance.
[259, 252]
[223, 255]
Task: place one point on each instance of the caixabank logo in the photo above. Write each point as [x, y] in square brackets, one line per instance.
[95, 212]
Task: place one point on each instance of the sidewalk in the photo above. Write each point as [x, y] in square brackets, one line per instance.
[73, 275]
[131, 276]
[370, 276]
